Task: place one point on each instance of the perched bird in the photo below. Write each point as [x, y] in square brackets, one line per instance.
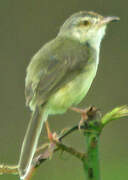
[60, 75]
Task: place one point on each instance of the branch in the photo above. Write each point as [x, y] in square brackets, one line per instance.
[92, 128]
[52, 148]
[72, 151]
[91, 163]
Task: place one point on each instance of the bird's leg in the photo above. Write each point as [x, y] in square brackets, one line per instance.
[49, 133]
[85, 113]
[51, 136]
[78, 110]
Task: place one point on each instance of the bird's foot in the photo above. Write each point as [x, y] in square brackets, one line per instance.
[55, 137]
[85, 114]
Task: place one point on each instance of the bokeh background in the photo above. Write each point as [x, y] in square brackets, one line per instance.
[24, 27]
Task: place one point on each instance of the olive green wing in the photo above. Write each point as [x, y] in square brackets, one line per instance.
[63, 64]
[44, 80]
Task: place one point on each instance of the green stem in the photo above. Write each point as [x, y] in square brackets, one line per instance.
[91, 164]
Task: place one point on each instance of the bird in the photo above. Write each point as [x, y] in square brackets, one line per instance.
[60, 74]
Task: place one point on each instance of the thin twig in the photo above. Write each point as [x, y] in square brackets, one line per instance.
[71, 151]
[6, 169]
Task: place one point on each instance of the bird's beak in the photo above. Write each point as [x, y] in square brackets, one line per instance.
[107, 20]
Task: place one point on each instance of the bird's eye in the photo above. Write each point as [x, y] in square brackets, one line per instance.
[85, 22]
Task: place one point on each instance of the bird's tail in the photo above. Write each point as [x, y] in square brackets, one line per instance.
[31, 140]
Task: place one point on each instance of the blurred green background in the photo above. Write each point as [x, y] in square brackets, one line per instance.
[24, 27]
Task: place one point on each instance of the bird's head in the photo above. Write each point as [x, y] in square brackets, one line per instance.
[86, 27]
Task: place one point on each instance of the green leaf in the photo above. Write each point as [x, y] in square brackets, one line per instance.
[115, 114]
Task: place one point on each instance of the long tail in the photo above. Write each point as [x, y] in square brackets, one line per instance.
[31, 140]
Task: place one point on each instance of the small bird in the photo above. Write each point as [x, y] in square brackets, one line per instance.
[60, 75]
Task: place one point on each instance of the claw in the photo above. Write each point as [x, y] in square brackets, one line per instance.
[51, 136]
[85, 113]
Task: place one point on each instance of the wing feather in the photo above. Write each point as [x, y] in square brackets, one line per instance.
[52, 67]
